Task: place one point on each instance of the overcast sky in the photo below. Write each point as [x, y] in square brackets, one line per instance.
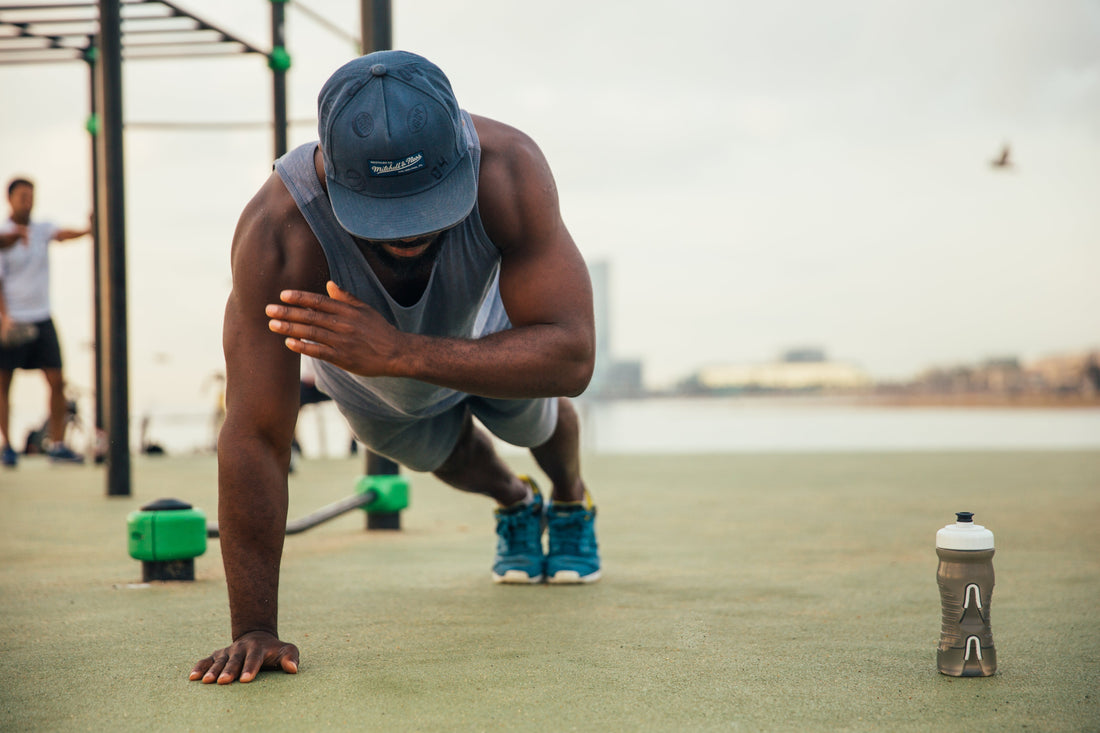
[760, 175]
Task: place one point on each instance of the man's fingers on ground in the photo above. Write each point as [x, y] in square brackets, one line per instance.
[252, 665]
[213, 670]
[232, 669]
[288, 659]
[200, 669]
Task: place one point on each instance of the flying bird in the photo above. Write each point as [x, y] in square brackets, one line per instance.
[1004, 161]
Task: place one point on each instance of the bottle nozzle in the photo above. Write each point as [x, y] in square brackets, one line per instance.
[964, 517]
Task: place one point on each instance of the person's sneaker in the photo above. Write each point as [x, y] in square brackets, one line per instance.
[574, 555]
[9, 457]
[61, 453]
[519, 557]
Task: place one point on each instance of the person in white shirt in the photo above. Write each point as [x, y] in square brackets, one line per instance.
[28, 339]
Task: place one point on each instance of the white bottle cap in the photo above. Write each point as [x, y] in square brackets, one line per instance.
[964, 535]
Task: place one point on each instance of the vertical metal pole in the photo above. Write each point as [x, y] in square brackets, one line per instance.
[381, 466]
[90, 55]
[279, 62]
[376, 32]
[375, 25]
[111, 225]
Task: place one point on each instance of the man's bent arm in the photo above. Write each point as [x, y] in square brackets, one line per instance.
[544, 286]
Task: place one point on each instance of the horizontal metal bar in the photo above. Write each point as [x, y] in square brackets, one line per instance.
[207, 24]
[129, 19]
[46, 21]
[169, 44]
[20, 62]
[324, 514]
[141, 56]
[49, 6]
[208, 126]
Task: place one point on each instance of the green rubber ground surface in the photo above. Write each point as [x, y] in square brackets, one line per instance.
[740, 592]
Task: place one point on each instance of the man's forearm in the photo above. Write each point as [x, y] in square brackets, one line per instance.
[252, 509]
[532, 361]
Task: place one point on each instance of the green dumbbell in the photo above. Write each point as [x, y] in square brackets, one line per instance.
[167, 535]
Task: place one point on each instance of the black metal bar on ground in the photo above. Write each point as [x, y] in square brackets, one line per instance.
[323, 514]
[111, 223]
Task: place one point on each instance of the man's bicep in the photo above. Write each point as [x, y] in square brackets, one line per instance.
[261, 393]
[543, 277]
[261, 373]
[547, 283]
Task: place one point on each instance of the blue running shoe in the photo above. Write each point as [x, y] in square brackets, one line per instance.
[61, 453]
[574, 555]
[9, 458]
[519, 556]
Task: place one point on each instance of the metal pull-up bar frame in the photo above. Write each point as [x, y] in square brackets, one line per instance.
[43, 34]
[98, 32]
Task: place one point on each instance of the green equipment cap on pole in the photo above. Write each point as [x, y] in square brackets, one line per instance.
[279, 59]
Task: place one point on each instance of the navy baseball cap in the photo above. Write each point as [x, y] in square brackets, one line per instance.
[397, 163]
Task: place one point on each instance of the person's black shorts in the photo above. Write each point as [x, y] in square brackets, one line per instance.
[43, 352]
[308, 394]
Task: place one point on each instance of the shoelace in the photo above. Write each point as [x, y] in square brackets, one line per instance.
[568, 534]
[517, 532]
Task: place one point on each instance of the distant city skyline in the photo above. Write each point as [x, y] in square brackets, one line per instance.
[759, 177]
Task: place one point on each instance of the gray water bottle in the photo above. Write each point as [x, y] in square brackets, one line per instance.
[965, 577]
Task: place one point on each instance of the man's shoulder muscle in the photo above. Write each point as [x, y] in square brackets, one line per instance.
[273, 240]
[516, 190]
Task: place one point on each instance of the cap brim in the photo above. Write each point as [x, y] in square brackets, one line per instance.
[440, 207]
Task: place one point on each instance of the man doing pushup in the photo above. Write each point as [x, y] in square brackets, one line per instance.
[418, 255]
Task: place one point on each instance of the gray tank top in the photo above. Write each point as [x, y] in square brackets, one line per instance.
[461, 300]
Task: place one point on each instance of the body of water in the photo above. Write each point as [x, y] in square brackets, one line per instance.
[789, 425]
[717, 425]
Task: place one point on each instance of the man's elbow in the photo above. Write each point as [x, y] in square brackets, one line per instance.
[578, 373]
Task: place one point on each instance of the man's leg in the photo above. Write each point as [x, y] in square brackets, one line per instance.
[474, 466]
[57, 405]
[5, 415]
[559, 457]
[573, 555]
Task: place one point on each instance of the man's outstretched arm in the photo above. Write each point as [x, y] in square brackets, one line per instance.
[253, 455]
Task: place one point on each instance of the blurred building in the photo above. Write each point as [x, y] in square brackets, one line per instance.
[798, 370]
[1063, 374]
[1069, 372]
[613, 378]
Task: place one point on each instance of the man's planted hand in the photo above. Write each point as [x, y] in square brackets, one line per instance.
[245, 657]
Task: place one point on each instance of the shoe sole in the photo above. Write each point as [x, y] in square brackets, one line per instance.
[572, 577]
[516, 577]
